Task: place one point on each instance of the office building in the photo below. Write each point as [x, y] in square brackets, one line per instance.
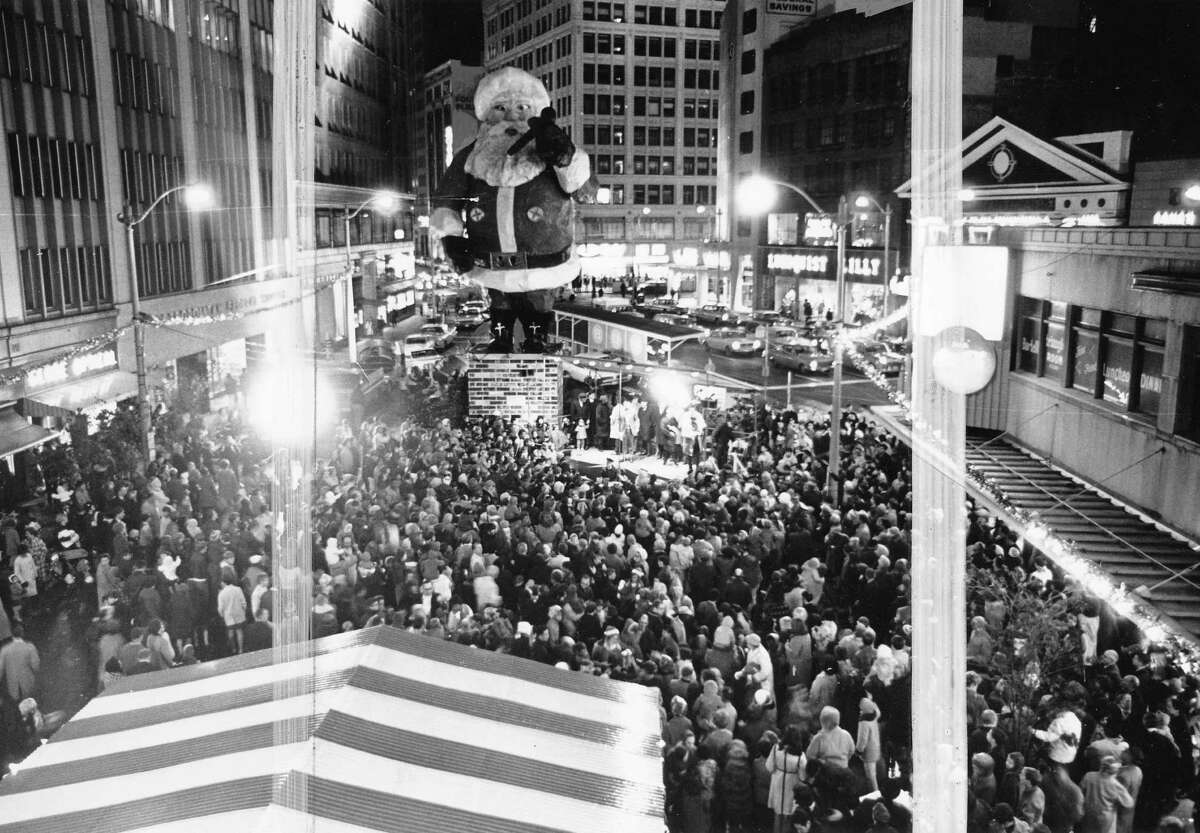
[638, 87]
[108, 106]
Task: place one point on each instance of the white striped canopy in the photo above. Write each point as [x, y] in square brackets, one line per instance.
[375, 730]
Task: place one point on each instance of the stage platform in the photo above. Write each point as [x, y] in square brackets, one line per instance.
[596, 458]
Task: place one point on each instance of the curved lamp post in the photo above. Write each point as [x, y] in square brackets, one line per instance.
[197, 196]
[756, 195]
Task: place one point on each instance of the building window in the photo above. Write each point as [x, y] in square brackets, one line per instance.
[747, 102]
[1108, 356]
[749, 21]
[748, 61]
[746, 141]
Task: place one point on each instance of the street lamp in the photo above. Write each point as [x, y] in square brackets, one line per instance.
[196, 197]
[866, 201]
[385, 202]
[756, 195]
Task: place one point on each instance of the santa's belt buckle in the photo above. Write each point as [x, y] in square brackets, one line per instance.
[507, 260]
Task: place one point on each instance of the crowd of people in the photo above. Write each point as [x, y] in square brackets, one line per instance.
[773, 619]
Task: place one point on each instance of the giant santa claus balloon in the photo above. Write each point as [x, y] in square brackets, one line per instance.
[505, 207]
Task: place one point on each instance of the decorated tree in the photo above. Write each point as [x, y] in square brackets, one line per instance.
[1035, 649]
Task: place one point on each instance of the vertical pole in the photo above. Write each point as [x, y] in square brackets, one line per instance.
[139, 342]
[939, 519]
[351, 318]
[887, 258]
[833, 472]
[789, 389]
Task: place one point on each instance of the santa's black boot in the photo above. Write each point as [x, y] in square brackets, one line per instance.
[503, 321]
[536, 326]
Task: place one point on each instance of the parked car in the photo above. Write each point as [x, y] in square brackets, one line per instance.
[418, 349]
[776, 332]
[733, 342]
[713, 314]
[442, 334]
[476, 307]
[589, 369]
[792, 357]
[468, 321]
[677, 320]
[375, 354]
[802, 355]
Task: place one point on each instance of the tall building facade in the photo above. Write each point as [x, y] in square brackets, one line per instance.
[108, 105]
[836, 123]
[449, 125]
[638, 87]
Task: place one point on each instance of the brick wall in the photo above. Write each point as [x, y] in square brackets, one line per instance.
[504, 385]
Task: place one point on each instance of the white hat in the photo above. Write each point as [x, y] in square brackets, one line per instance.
[514, 82]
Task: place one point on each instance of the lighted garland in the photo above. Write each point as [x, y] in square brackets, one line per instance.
[108, 337]
[1064, 552]
[93, 343]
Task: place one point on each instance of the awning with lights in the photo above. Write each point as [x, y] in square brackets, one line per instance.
[1149, 574]
[17, 434]
[379, 730]
[92, 393]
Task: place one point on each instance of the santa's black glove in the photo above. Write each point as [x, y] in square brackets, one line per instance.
[551, 142]
[458, 250]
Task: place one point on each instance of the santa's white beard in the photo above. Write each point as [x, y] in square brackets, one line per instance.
[489, 159]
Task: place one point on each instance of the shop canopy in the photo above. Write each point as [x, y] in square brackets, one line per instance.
[17, 434]
[378, 730]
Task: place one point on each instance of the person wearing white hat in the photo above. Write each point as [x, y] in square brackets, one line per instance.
[511, 191]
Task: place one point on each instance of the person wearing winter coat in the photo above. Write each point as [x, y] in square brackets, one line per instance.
[868, 745]
[1063, 801]
[1102, 795]
[735, 789]
[786, 763]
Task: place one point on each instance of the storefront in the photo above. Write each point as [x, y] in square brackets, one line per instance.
[212, 335]
[802, 273]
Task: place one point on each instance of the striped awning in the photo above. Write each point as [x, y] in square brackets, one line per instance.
[378, 730]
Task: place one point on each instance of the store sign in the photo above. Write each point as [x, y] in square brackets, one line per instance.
[68, 369]
[229, 306]
[1174, 218]
[792, 7]
[819, 227]
[821, 264]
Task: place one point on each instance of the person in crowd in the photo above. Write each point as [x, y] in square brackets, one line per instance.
[751, 600]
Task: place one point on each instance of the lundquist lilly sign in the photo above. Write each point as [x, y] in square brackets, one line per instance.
[822, 265]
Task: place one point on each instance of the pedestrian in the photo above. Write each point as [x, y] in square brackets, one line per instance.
[787, 764]
[1102, 795]
[19, 666]
[24, 584]
[231, 607]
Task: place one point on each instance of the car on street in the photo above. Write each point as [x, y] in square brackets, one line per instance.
[442, 334]
[375, 354]
[713, 314]
[589, 368]
[802, 355]
[677, 320]
[468, 321]
[764, 318]
[474, 308]
[418, 349]
[776, 332]
[733, 342]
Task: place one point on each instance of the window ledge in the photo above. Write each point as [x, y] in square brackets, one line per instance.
[1141, 422]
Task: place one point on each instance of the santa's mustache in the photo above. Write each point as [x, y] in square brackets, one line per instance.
[505, 132]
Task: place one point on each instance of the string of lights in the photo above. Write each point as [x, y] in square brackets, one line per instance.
[1062, 551]
[106, 338]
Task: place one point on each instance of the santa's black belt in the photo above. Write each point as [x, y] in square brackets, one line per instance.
[520, 260]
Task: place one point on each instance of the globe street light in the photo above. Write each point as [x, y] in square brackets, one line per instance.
[197, 196]
[866, 201]
[386, 202]
[756, 195]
